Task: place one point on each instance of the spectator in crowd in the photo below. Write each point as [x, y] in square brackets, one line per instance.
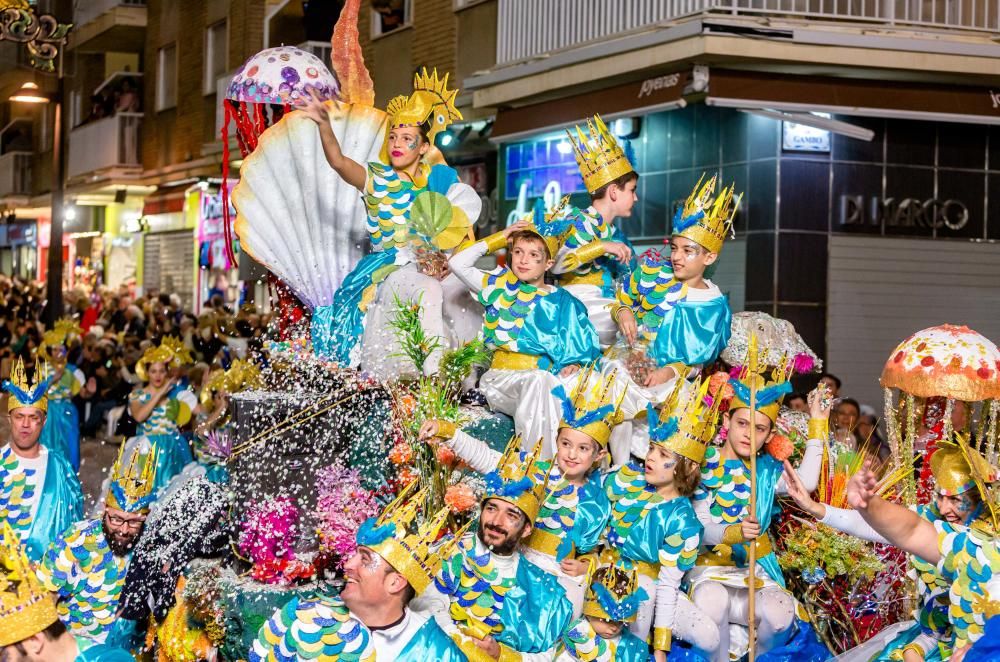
[797, 401]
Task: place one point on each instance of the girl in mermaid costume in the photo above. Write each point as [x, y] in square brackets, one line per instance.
[416, 209]
[62, 425]
[575, 511]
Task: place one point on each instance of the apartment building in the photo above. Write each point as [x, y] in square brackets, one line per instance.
[864, 135]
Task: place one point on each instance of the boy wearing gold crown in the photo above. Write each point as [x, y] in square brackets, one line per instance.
[596, 253]
[161, 407]
[40, 495]
[957, 501]
[540, 335]
[417, 208]
[602, 635]
[62, 428]
[968, 558]
[397, 559]
[653, 525]
[493, 602]
[575, 510]
[30, 629]
[719, 581]
[670, 315]
[86, 567]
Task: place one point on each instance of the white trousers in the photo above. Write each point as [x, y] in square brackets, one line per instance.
[526, 395]
[631, 437]
[598, 310]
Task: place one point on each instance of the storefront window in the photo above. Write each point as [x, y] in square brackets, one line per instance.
[536, 166]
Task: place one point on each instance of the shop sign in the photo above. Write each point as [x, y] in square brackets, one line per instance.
[802, 138]
[211, 216]
[906, 213]
[21, 233]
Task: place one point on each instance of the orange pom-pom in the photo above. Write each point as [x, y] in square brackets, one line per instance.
[780, 447]
[459, 498]
[446, 456]
[401, 453]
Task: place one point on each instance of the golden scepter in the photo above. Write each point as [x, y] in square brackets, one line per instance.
[752, 370]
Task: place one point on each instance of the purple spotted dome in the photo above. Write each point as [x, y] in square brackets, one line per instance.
[282, 75]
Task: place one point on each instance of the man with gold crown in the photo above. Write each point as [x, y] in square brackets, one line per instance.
[602, 634]
[396, 560]
[40, 495]
[493, 602]
[417, 210]
[86, 566]
[670, 315]
[967, 557]
[30, 629]
[719, 580]
[575, 510]
[595, 253]
[957, 501]
[62, 425]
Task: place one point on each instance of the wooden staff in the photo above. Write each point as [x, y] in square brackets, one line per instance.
[752, 370]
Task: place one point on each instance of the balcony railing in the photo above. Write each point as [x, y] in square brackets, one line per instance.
[112, 142]
[91, 9]
[525, 28]
[15, 174]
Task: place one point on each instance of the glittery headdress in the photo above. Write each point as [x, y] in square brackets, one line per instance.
[431, 103]
[690, 426]
[515, 481]
[952, 468]
[406, 543]
[613, 594]
[171, 352]
[24, 393]
[242, 375]
[770, 392]
[705, 220]
[591, 408]
[601, 159]
[58, 335]
[131, 485]
[550, 226]
[26, 607]
[986, 475]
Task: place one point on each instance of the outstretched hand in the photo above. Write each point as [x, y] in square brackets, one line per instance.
[861, 488]
[799, 494]
[314, 108]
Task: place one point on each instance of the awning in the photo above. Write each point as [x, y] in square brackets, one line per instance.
[752, 90]
[661, 92]
[164, 201]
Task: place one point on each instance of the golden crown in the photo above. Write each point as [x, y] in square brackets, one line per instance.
[516, 479]
[752, 384]
[984, 470]
[691, 424]
[131, 485]
[26, 608]
[592, 407]
[406, 545]
[952, 468]
[705, 220]
[613, 594]
[431, 102]
[600, 158]
[171, 353]
[57, 335]
[28, 394]
[242, 375]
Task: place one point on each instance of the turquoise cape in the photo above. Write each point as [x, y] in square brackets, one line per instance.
[535, 611]
[61, 433]
[693, 332]
[591, 518]
[90, 651]
[61, 505]
[431, 643]
[559, 330]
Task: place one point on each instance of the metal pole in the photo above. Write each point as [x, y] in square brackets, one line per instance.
[54, 274]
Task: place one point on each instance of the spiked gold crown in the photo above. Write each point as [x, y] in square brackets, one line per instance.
[592, 408]
[600, 158]
[431, 102]
[131, 486]
[28, 394]
[691, 422]
[704, 219]
[613, 594]
[516, 479]
[26, 608]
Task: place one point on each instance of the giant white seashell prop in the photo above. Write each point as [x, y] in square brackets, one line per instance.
[296, 216]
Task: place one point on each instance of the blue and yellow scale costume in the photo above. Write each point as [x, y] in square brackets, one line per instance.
[87, 578]
[62, 424]
[676, 328]
[572, 517]
[580, 642]
[319, 629]
[971, 564]
[161, 428]
[60, 500]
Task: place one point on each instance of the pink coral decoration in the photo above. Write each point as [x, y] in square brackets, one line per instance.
[341, 507]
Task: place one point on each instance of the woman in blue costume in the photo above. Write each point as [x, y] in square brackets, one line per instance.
[62, 425]
[575, 510]
[653, 524]
[719, 581]
[416, 207]
[161, 406]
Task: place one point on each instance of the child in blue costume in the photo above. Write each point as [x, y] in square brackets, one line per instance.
[719, 581]
[672, 317]
[653, 524]
[575, 510]
[596, 254]
[492, 601]
[540, 335]
[40, 495]
[161, 406]
[602, 635]
[62, 425]
[413, 200]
